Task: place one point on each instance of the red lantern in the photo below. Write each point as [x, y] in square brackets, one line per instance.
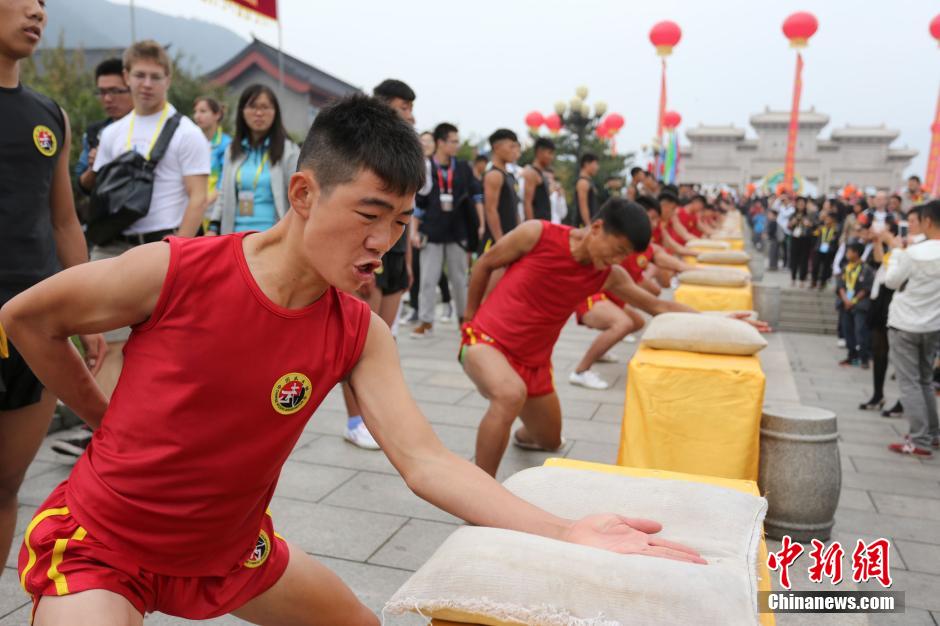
[935, 28]
[614, 121]
[553, 122]
[671, 119]
[534, 119]
[603, 130]
[664, 35]
[799, 27]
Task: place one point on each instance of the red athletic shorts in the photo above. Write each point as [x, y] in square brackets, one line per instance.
[586, 305]
[539, 381]
[59, 557]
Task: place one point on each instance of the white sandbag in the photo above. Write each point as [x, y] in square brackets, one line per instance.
[499, 577]
[714, 277]
[708, 334]
[725, 257]
[708, 244]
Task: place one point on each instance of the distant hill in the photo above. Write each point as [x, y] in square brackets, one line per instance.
[101, 24]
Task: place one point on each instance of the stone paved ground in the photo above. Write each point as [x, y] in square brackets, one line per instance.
[350, 509]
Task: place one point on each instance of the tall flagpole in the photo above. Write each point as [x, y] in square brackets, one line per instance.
[133, 25]
[793, 131]
[280, 58]
[932, 179]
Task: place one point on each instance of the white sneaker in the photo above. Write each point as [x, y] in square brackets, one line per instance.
[841, 343]
[360, 436]
[588, 379]
[608, 357]
[631, 338]
[448, 313]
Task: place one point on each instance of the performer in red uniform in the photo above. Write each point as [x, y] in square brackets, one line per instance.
[685, 224]
[167, 510]
[507, 346]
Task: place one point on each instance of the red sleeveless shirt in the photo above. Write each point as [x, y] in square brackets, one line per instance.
[529, 306]
[216, 389]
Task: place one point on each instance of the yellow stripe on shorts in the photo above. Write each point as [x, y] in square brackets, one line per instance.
[29, 531]
[58, 553]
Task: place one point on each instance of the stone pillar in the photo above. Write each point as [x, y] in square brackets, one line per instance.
[767, 302]
[800, 471]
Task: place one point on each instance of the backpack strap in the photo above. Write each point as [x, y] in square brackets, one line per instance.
[163, 141]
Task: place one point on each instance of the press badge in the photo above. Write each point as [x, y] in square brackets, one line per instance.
[447, 202]
[246, 203]
[849, 294]
[824, 248]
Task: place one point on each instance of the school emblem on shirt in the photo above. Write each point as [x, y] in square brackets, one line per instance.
[44, 139]
[291, 392]
[260, 554]
[642, 262]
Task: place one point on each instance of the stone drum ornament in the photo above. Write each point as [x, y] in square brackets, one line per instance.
[800, 471]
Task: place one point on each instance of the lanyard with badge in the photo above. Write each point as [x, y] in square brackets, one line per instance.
[447, 193]
[156, 132]
[826, 239]
[851, 278]
[246, 197]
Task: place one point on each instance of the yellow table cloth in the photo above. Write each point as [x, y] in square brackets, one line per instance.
[744, 486]
[709, 298]
[691, 260]
[695, 413]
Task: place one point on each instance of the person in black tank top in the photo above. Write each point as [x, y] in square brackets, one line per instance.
[585, 194]
[500, 199]
[39, 234]
[537, 203]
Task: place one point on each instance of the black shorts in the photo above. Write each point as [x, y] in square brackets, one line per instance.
[19, 387]
[393, 277]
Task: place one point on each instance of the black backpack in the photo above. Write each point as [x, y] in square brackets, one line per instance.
[124, 188]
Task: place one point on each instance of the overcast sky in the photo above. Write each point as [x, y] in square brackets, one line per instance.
[484, 64]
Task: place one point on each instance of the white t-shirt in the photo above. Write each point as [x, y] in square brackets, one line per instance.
[187, 155]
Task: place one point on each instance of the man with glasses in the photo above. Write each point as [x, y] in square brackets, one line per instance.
[179, 188]
[115, 98]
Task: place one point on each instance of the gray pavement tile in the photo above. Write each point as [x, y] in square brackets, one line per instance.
[457, 380]
[337, 452]
[849, 540]
[907, 506]
[413, 544]
[578, 409]
[855, 499]
[453, 414]
[436, 393]
[159, 619]
[432, 364]
[332, 531]
[920, 590]
[35, 490]
[610, 413]
[910, 617]
[872, 451]
[919, 487]
[852, 521]
[474, 400]
[12, 595]
[900, 466]
[310, 482]
[373, 584]
[18, 617]
[920, 557]
[594, 452]
[38, 468]
[326, 422]
[590, 430]
[382, 493]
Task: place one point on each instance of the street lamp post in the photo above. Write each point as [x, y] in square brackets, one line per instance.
[576, 116]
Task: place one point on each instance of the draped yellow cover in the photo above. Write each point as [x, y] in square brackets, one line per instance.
[708, 298]
[695, 413]
[745, 486]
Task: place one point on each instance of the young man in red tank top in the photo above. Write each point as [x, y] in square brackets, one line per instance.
[167, 510]
[507, 344]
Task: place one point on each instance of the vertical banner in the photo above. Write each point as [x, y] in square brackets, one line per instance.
[660, 151]
[932, 179]
[789, 161]
[266, 8]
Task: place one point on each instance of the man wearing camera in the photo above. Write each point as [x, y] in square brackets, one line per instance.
[179, 182]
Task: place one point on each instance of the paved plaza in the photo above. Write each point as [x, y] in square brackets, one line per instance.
[350, 509]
